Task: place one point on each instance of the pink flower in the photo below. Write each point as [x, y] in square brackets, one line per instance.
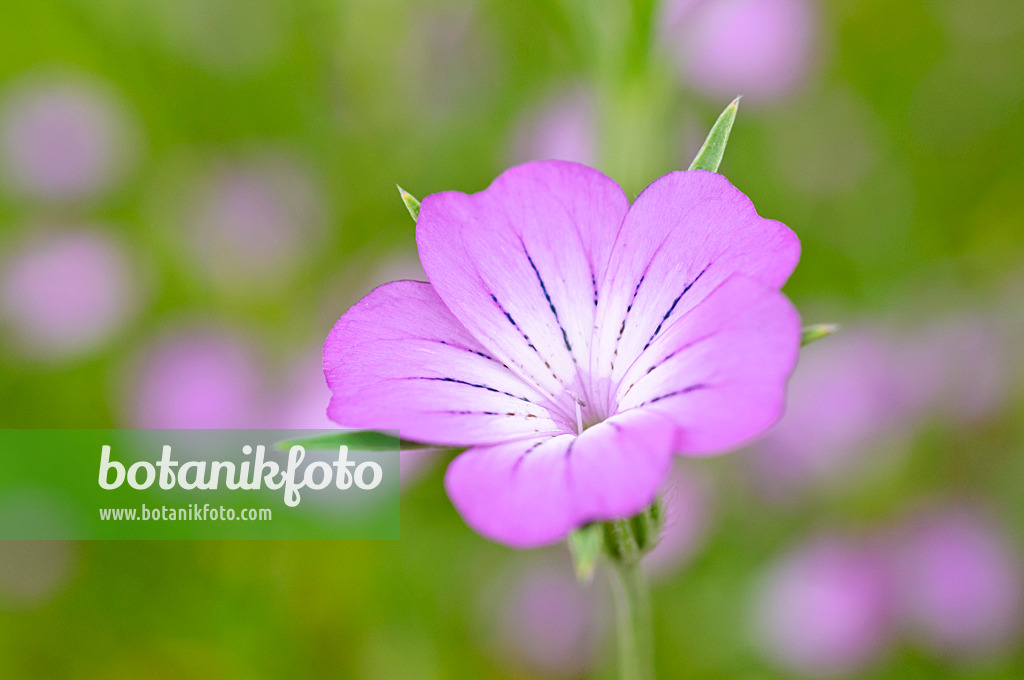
[66, 291]
[763, 49]
[542, 622]
[562, 128]
[574, 343]
[825, 610]
[251, 222]
[961, 583]
[32, 573]
[196, 377]
[847, 409]
[63, 138]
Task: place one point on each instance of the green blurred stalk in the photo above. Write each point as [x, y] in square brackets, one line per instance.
[634, 630]
[634, 90]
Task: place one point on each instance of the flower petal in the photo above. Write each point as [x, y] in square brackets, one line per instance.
[719, 371]
[519, 265]
[399, 360]
[533, 492]
[683, 236]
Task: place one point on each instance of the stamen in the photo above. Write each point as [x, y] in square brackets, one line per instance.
[580, 405]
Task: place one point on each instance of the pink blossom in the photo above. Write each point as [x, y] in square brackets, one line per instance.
[824, 610]
[63, 139]
[961, 581]
[34, 572]
[561, 128]
[66, 291]
[303, 396]
[574, 343]
[956, 366]
[224, 36]
[846, 398]
[542, 621]
[762, 49]
[250, 222]
[196, 377]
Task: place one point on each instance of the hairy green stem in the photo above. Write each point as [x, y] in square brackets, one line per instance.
[633, 622]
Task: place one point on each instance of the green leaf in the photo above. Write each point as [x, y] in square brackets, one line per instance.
[411, 204]
[586, 545]
[816, 332]
[361, 440]
[710, 155]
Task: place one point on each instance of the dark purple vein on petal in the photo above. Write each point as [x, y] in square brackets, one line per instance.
[667, 358]
[547, 296]
[471, 351]
[528, 342]
[677, 351]
[483, 413]
[673, 307]
[632, 301]
[513, 322]
[625, 317]
[524, 454]
[676, 393]
[476, 385]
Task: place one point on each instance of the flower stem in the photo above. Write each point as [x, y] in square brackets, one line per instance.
[633, 622]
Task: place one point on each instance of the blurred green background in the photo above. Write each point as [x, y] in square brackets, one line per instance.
[193, 191]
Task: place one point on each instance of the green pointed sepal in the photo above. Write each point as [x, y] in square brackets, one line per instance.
[710, 155]
[411, 204]
[816, 332]
[621, 542]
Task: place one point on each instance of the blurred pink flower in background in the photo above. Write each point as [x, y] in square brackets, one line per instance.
[34, 572]
[1009, 323]
[65, 291]
[687, 510]
[303, 396]
[761, 49]
[856, 398]
[414, 463]
[845, 399]
[961, 582]
[448, 60]
[196, 377]
[825, 609]
[542, 622]
[563, 127]
[250, 222]
[63, 138]
[958, 367]
[233, 37]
